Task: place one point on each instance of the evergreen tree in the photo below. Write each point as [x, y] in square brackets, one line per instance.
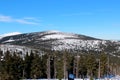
[59, 65]
[91, 65]
[27, 65]
[16, 66]
[1, 63]
[82, 66]
[7, 66]
[36, 71]
[38, 68]
[103, 64]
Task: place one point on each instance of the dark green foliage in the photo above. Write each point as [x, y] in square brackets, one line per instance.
[36, 67]
[33, 65]
[82, 66]
[11, 66]
[91, 64]
[59, 66]
[103, 64]
[27, 65]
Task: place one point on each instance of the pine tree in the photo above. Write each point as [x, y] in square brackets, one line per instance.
[59, 65]
[82, 66]
[27, 65]
[43, 65]
[1, 63]
[7, 66]
[103, 64]
[36, 65]
[16, 70]
[91, 65]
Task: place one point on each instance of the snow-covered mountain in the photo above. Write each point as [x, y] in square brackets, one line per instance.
[56, 40]
[9, 34]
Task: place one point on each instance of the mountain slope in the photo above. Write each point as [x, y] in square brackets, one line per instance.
[9, 34]
[55, 40]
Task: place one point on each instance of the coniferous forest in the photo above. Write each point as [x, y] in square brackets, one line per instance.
[57, 64]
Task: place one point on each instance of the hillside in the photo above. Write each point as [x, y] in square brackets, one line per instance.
[51, 54]
[55, 40]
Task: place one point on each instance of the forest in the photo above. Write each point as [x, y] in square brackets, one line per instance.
[57, 65]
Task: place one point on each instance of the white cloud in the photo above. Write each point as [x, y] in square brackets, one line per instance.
[27, 20]
[5, 18]
[31, 18]
[22, 21]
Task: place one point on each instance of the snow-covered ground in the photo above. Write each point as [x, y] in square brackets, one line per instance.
[57, 40]
[78, 44]
[22, 50]
[117, 77]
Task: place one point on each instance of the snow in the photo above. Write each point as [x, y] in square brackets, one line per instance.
[9, 34]
[52, 31]
[58, 36]
[20, 49]
[8, 41]
[77, 44]
[63, 41]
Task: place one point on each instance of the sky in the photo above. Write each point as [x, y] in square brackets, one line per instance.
[96, 18]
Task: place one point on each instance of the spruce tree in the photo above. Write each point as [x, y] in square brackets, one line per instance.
[91, 64]
[103, 64]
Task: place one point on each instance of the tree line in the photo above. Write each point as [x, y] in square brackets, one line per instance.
[57, 64]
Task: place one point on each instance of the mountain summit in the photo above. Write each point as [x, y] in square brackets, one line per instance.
[56, 40]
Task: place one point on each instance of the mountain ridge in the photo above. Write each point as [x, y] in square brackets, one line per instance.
[9, 34]
[56, 40]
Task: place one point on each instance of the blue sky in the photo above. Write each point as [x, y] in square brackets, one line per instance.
[96, 18]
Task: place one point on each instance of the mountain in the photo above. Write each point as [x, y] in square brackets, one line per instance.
[56, 40]
[9, 34]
